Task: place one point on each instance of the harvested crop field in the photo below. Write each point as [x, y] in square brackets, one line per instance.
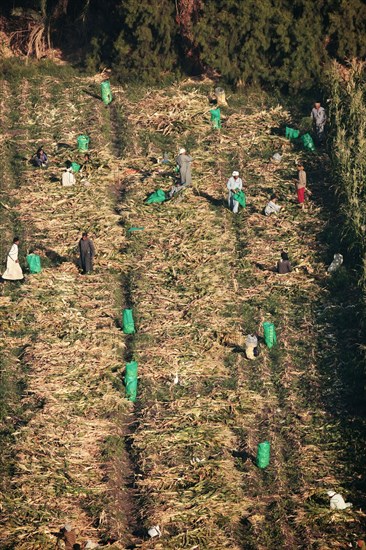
[198, 279]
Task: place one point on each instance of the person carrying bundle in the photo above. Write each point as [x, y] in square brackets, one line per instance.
[234, 185]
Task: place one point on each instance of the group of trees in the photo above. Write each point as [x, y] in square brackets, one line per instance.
[281, 42]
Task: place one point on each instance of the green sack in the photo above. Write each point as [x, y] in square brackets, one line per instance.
[106, 92]
[34, 263]
[241, 198]
[263, 454]
[75, 167]
[83, 143]
[216, 118]
[270, 337]
[307, 142]
[156, 196]
[291, 133]
[131, 380]
[128, 324]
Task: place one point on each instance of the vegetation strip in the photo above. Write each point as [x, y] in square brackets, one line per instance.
[66, 451]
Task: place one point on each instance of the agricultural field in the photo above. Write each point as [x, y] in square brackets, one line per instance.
[198, 279]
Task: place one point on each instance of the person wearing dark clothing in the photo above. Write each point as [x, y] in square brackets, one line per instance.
[40, 159]
[87, 253]
[284, 265]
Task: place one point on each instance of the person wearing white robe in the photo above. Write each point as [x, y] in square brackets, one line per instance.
[337, 502]
[13, 270]
[272, 207]
[68, 178]
[234, 185]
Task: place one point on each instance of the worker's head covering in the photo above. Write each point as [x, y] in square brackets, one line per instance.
[235, 173]
[331, 493]
[181, 151]
[68, 527]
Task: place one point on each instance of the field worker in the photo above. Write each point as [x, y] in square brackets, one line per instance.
[68, 178]
[319, 118]
[272, 207]
[301, 185]
[68, 535]
[87, 253]
[13, 270]
[337, 501]
[184, 162]
[251, 347]
[40, 159]
[234, 185]
[284, 265]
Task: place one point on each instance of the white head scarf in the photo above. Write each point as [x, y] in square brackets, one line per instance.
[235, 173]
[181, 151]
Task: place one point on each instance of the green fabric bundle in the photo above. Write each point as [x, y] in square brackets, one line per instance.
[106, 92]
[131, 380]
[216, 118]
[270, 337]
[75, 167]
[34, 263]
[241, 198]
[128, 322]
[263, 454]
[291, 133]
[156, 197]
[308, 142]
[83, 143]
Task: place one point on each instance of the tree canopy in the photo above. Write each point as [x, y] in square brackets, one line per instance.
[280, 42]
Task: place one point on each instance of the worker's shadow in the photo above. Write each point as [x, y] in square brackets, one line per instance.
[278, 130]
[62, 145]
[215, 202]
[263, 267]
[55, 258]
[92, 94]
[243, 455]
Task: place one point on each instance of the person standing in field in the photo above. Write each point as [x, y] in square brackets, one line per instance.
[234, 185]
[184, 163]
[87, 253]
[13, 270]
[319, 119]
[301, 185]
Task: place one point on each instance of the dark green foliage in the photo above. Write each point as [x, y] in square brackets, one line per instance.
[144, 45]
[347, 88]
[273, 42]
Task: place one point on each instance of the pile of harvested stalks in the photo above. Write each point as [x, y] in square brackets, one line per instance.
[198, 280]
